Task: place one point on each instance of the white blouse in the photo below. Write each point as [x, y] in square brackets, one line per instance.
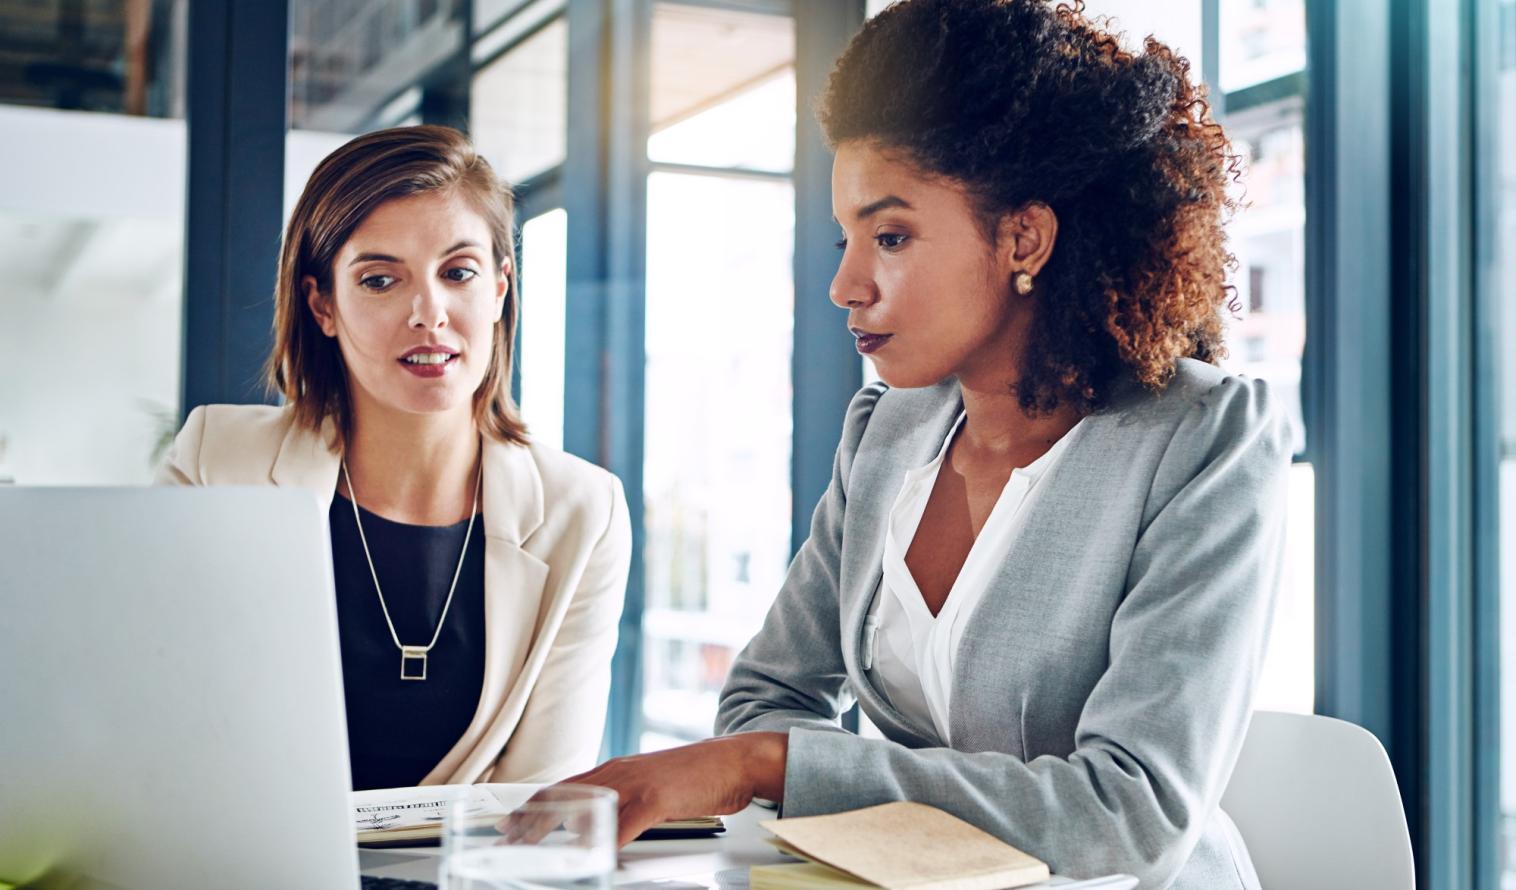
[907, 653]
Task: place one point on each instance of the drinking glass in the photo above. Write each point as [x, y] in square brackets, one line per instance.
[531, 837]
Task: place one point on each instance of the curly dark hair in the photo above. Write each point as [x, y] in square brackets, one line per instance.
[1024, 102]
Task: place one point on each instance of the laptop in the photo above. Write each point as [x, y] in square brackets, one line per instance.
[171, 709]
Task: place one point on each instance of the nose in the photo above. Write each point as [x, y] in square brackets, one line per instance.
[429, 308]
[853, 286]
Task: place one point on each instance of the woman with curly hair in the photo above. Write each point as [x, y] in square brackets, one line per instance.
[1046, 561]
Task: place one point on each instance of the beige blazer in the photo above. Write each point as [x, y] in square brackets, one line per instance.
[556, 555]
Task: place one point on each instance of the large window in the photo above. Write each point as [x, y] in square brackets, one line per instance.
[355, 63]
[720, 302]
[519, 104]
[544, 264]
[1266, 338]
[1261, 40]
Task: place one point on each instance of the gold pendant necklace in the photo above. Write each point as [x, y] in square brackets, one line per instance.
[414, 657]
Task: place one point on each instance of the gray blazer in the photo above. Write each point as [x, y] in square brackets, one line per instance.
[1105, 682]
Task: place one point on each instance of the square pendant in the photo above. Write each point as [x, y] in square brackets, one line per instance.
[413, 662]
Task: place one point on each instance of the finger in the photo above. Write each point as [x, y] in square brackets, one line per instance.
[527, 826]
[523, 825]
[581, 824]
[633, 820]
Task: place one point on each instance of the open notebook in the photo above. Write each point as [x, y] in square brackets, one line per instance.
[412, 817]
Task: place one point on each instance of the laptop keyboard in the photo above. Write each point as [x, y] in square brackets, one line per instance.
[372, 883]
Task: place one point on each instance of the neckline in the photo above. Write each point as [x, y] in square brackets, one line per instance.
[407, 526]
[913, 600]
[1034, 468]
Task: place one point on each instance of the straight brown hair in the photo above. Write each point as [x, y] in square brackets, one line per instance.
[305, 365]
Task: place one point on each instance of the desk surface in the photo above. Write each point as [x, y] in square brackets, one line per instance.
[720, 861]
[692, 864]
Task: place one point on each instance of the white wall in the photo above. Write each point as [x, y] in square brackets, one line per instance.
[91, 286]
[91, 259]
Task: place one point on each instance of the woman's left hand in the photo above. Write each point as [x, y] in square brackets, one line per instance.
[710, 778]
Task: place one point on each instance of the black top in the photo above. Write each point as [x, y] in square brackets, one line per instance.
[398, 730]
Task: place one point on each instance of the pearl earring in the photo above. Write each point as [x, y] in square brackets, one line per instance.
[1022, 282]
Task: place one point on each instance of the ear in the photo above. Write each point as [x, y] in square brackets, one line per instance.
[1025, 238]
[321, 307]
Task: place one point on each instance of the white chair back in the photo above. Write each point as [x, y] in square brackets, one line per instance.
[1317, 803]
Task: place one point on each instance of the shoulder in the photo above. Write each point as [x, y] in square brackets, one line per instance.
[229, 443]
[1200, 405]
[579, 509]
[256, 427]
[573, 484]
[1207, 423]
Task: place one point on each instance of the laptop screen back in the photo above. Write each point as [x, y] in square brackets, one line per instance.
[171, 710]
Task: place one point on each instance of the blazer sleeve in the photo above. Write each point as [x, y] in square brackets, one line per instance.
[561, 728]
[792, 673]
[181, 464]
[1162, 728]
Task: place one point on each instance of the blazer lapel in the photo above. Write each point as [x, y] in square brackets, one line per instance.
[1026, 585]
[891, 446]
[513, 578]
[513, 583]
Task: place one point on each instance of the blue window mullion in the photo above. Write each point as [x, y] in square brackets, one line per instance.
[605, 196]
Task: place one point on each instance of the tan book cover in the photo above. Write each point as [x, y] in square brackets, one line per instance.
[801, 876]
[907, 846]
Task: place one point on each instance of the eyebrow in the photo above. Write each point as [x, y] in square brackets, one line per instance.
[884, 203]
[386, 258]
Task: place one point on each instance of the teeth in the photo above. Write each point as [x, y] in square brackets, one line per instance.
[428, 358]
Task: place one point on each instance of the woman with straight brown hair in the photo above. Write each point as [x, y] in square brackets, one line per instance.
[479, 575]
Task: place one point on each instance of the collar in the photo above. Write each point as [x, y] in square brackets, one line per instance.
[513, 500]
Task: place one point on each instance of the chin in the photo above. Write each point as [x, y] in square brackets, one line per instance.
[430, 406]
[909, 378]
[430, 400]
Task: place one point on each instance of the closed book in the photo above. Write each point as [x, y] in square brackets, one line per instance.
[800, 876]
[897, 846]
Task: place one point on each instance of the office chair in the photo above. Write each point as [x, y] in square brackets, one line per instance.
[1317, 803]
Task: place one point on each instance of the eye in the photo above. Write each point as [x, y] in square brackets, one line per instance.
[460, 274]
[376, 282]
[890, 240]
[841, 244]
